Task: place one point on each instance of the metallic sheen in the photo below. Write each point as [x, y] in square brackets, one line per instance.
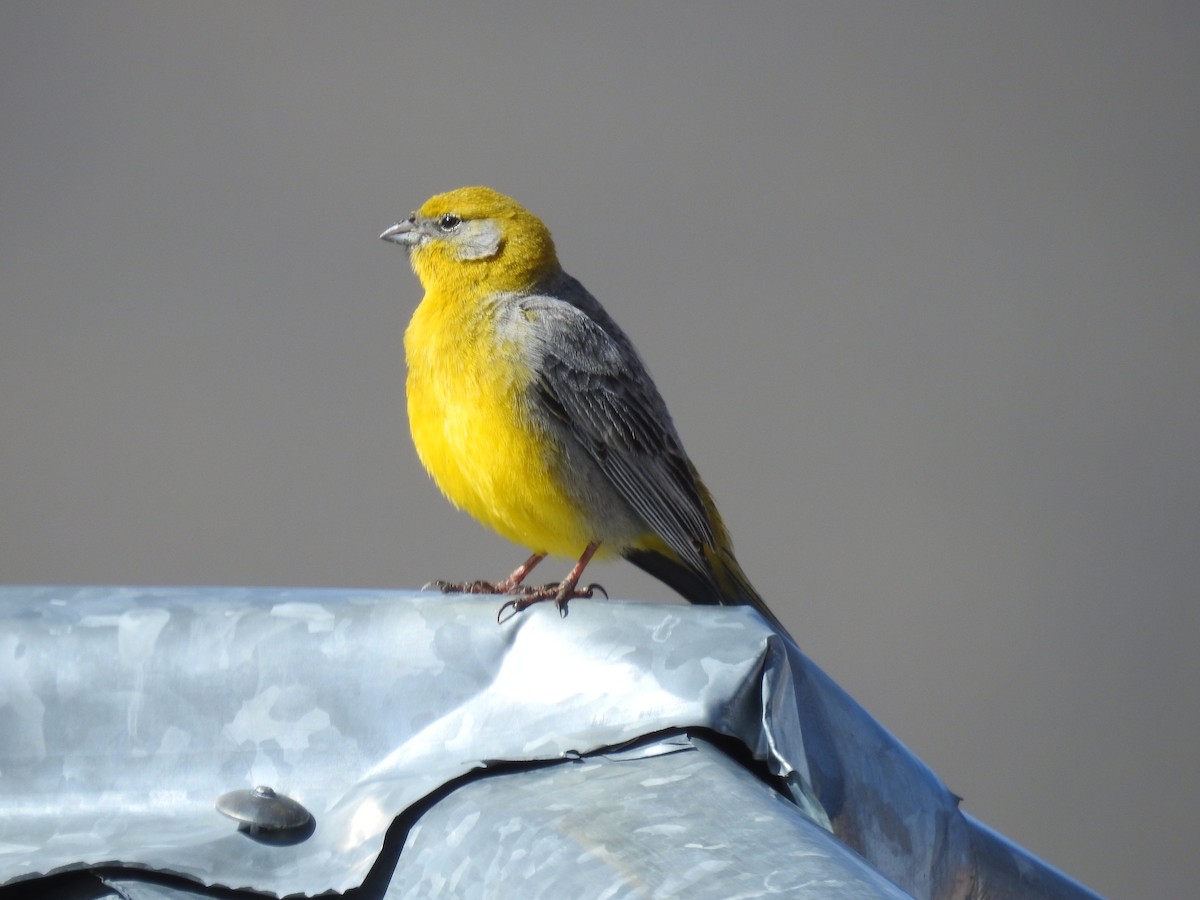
[630, 749]
[261, 807]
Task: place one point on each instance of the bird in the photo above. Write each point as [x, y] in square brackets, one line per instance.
[531, 410]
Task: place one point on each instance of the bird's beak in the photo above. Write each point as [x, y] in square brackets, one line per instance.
[403, 233]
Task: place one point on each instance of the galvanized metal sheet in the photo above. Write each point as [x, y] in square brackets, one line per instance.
[690, 823]
[128, 712]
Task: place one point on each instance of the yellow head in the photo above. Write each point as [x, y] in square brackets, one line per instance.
[475, 240]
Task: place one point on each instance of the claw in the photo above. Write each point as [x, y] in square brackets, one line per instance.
[523, 597]
[500, 617]
[561, 593]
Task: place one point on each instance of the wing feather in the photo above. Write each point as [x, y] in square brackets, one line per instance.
[591, 379]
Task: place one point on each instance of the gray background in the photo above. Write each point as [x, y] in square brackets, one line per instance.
[920, 282]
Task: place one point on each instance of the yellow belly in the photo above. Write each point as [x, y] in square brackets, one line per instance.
[468, 414]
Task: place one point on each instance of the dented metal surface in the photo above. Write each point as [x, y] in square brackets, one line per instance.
[690, 823]
[130, 711]
[126, 713]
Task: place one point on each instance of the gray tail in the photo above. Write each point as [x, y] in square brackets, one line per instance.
[724, 584]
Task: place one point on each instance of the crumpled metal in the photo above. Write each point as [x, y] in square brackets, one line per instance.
[125, 713]
[690, 822]
[130, 710]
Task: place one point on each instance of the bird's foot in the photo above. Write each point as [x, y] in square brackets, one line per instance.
[559, 592]
[510, 585]
[468, 587]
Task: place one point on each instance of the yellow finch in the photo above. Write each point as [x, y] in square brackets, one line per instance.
[532, 411]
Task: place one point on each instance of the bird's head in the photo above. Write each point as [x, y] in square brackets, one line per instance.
[475, 239]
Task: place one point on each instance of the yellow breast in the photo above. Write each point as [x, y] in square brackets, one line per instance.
[468, 397]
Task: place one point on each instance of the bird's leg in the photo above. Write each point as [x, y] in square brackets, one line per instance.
[560, 593]
[508, 585]
[513, 581]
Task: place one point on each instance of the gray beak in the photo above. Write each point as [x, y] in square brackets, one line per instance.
[402, 233]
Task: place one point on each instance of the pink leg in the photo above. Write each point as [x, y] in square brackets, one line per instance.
[515, 579]
[560, 593]
[507, 586]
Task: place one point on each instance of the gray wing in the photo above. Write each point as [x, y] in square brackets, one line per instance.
[592, 381]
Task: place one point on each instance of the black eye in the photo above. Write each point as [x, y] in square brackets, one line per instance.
[449, 222]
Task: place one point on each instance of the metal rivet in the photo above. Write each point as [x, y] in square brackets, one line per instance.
[262, 808]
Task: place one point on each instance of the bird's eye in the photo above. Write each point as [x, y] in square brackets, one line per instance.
[448, 222]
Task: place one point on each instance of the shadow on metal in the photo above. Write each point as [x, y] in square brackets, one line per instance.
[397, 744]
